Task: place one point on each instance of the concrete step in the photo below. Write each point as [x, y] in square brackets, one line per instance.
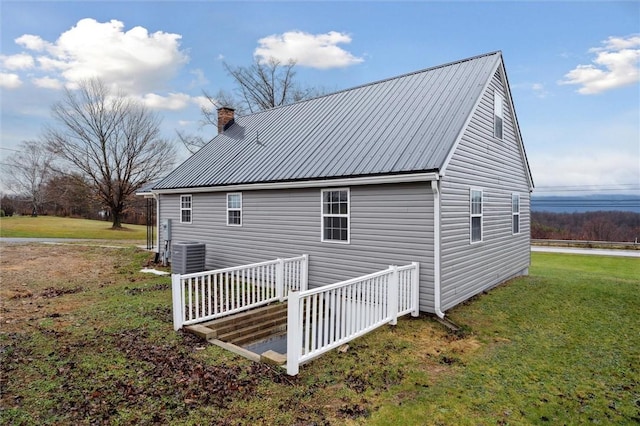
[239, 334]
[246, 326]
[259, 334]
[244, 318]
[268, 317]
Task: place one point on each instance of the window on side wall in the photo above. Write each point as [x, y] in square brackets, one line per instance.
[335, 215]
[185, 209]
[234, 209]
[475, 200]
[515, 213]
[497, 115]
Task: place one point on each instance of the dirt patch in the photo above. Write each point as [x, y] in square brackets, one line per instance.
[36, 278]
[50, 292]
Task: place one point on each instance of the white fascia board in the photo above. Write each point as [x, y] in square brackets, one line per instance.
[324, 183]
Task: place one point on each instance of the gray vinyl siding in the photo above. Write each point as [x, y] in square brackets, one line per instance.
[498, 168]
[389, 224]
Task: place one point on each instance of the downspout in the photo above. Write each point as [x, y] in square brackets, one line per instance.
[435, 187]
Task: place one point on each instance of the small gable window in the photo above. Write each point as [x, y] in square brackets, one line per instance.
[234, 209]
[335, 215]
[475, 196]
[185, 209]
[497, 115]
[515, 213]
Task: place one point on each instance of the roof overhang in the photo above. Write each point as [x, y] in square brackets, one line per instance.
[319, 183]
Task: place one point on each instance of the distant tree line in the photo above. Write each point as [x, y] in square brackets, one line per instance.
[65, 196]
[590, 226]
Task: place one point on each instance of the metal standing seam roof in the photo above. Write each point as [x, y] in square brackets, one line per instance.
[399, 125]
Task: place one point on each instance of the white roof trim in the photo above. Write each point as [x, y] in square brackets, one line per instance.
[324, 183]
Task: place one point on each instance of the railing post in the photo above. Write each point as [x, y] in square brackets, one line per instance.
[280, 280]
[415, 289]
[304, 273]
[294, 333]
[178, 304]
[392, 296]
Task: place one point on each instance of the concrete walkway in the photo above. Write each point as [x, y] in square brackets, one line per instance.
[598, 252]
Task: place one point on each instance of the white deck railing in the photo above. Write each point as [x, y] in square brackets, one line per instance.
[326, 317]
[203, 296]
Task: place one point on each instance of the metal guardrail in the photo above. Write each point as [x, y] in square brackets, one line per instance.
[585, 243]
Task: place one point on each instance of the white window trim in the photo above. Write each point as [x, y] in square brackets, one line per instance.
[498, 111]
[190, 209]
[323, 215]
[234, 209]
[472, 215]
[517, 195]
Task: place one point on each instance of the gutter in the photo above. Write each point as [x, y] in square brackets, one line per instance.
[319, 183]
[435, 186]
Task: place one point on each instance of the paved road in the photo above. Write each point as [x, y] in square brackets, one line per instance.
[98, 243]
[38, 240]
[548, 249]
[599, 252]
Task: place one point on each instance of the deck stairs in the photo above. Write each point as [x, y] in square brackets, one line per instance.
[245, 327]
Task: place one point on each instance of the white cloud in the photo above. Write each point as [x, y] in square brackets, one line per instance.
[21, 61]
[136, 61]
[10, 80]
[596, 168]
[32, 42]
[173, 102]
[309, 50]
[202, 101]
[198, 78]
[48, 83]
[539, 90]
[617, 64]
[585, 151]
[617, 43]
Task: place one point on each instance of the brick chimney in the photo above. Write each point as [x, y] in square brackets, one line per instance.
[225, 118]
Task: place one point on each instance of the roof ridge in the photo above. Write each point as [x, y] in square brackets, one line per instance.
[384, 80]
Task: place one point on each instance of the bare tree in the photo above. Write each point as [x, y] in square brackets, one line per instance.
[209, 117]
[267, 83]
[110, 139]
[27, 172]
[71, 195]
[262, 85]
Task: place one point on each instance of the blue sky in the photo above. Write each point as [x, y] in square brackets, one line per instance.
[573, 66]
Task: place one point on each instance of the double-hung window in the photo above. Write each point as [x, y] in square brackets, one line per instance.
[497, 115]
[234, 209]
[335, 215]
[475, 196]
[185, 209]
[515, 213]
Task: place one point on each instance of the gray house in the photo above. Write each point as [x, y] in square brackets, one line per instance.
[426, 167]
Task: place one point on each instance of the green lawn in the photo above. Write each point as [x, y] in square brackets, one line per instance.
[61, 227]
[561, 346]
